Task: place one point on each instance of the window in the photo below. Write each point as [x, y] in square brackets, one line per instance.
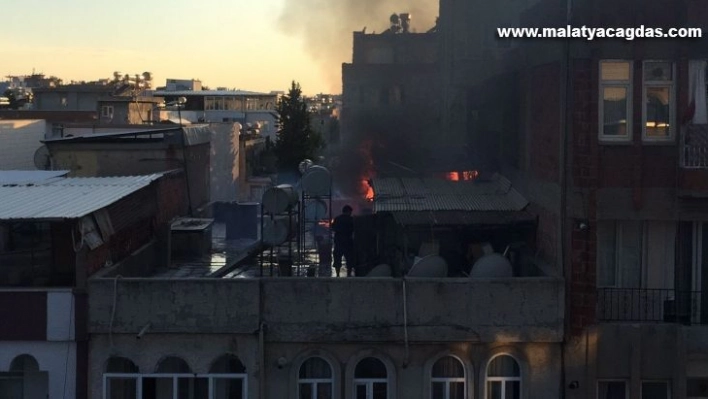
[448, 379]
[106, 111]
[612, 390]
[64, 102]
[24, 380]
[315, 379]
[173, 379]
[658, 101]
[656, 390]
[229, 378]
[503, 378]
[121, 387]
[635, 254]
[370, 379]
[615, 100]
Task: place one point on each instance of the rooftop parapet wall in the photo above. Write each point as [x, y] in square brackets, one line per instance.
[365, 310]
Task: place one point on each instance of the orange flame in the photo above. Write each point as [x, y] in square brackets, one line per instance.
[364, 187]
[467, 175]
[367, 189]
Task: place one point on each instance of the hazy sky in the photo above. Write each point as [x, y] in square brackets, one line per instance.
[232, 43]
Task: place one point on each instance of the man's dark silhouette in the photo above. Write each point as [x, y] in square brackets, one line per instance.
[343, 227]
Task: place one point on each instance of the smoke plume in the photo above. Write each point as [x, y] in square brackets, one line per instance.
[327, 26]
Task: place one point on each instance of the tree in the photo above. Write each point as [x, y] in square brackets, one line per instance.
[17, 100]
[296, 140]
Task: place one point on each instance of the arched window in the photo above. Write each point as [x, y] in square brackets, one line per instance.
[173, 365]
[315, 379]
[447, 380]
[24, 364]
[371, 379]
[120, 382]
[24, 380]
[503, 378]
[174, 368]
[229, 378]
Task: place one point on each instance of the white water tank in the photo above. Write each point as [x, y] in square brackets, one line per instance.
[317, 181]
[279, 199]
[315, 210]
[278, 230]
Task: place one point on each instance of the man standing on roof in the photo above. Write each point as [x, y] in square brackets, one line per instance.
[343, 227]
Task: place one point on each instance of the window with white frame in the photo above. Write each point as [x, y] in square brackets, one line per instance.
[315, 379]
[616, 389]
[370, 379]
[173, 379]
[503, 378]
[615, 108]
[656, 390]
[447, 380]
[659, 101]
[106, 111]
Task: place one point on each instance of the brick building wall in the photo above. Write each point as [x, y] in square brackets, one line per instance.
[137, 219]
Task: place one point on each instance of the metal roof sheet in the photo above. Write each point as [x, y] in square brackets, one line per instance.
[8, 177]
[67, 198]
[461, 218]
[430, 194]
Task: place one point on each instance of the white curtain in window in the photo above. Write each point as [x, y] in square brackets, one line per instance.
[660, 253]
[697, 90]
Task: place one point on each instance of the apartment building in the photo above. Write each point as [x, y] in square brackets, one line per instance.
[605, 138]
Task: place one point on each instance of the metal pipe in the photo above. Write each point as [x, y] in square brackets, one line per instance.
[405, 324]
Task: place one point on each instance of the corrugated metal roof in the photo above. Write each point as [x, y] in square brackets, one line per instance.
[67, 198]
[460, 218]
[8, 177]
[430, 194]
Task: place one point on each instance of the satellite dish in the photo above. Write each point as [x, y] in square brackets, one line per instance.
[42, 158]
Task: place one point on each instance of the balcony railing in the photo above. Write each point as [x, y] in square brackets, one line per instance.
[694, 147]
[651, 305]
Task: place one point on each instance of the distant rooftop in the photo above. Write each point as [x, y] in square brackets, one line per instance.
[26, 177]
[168, 93]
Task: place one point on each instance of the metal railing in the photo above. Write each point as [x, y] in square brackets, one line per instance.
[651, 305]
[694, 147]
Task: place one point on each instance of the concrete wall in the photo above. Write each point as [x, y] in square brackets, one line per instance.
[47, 100]
[19, 139]
[302, 310]
[224, 162]
[636, 353]
[409, 374]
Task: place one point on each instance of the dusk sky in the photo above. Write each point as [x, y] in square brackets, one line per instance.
[237, 44]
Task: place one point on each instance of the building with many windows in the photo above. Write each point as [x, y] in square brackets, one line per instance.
[606, 139]
[204, 106]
